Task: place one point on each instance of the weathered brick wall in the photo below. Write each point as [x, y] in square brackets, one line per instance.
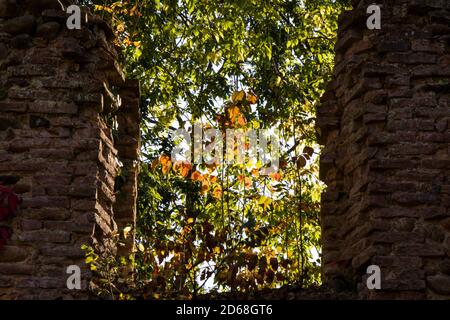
[384, 121]
[69, 131]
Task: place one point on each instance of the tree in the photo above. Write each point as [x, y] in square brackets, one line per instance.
[225, 222]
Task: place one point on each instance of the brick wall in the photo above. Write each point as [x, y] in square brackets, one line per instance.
[384, 123]
[69, 132]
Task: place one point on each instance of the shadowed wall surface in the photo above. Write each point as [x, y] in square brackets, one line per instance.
[69, 133]
[384, 121]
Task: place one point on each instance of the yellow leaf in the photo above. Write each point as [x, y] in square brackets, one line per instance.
[190, 220]
[126, 231]
[217, 250]
[238, 96]
[265, 201]
[166, 167]
[121, 27]
[141, 247]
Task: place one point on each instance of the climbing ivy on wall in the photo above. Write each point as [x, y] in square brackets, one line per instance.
[236, 64]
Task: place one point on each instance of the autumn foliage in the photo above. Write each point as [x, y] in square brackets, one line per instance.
[244, 65]
[226, 227]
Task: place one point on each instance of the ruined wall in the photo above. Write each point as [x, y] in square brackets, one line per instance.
[384, 121]
[69, 141]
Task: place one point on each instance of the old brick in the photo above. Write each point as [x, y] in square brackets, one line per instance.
[46, 202]
[54, 236]
[5, 282]
[8, 8]
[63, 251]
[68, 226]
[52, 153]
[54, 107]
[48, 30]
[411, 198]
[47, 282]
[426, 45]
[31, 224]
[388, 46]
[417, 249]
[439, 283]
[22, 41]
[16, 268]
[13, 106]
[23, 24]
[428, 71]
[404, 285]
[12, 254]
[50, 214]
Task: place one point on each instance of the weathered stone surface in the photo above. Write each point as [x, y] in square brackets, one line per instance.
[21, 41]
[439, 283]
[23, 24]
[12, 254]
[8, 8]
[386, 156]
[56, 151]
[48, 30]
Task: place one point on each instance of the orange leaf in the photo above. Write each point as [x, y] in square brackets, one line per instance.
[164, 159]
[251, 98]
[196, 176]
[217, 193]
[241, 120]
[185, 169]
[234, 113]
[247, 182]
[276, 176]
[205, 188]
